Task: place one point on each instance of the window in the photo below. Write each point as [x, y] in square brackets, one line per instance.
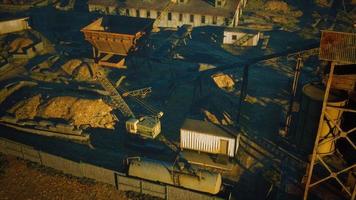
[148, 14]
[169, 16]
[137, 13]
[127, 12]
[215, 19]
[226, 21]
[191, 18]
[180, 17]
[203, 19]
[234, 37]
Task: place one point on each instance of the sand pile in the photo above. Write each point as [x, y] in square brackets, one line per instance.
[95, 113]
[223, 80]
[92, 112]
[17, 45]
[26, 109]
[57, 107]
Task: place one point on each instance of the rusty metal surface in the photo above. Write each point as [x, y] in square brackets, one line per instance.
[338, 46]
[110, 43]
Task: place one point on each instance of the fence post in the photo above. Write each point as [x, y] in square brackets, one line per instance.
[116, 181]
[166, 191]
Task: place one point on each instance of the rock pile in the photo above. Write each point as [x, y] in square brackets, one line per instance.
[94, 113]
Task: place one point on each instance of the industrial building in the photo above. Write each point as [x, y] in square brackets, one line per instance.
[241, 37]
[206, 137]
[193, 12]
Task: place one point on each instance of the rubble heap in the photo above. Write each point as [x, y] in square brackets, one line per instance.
[26, 109]
[17, 45]
[94, 113]
[223, 80]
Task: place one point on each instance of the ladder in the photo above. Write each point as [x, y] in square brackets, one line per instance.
[116, 98]
[243, 39]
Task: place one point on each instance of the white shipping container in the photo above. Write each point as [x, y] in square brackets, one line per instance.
[207, 137]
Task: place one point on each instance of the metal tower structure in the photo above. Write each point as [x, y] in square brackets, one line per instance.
[339, 49]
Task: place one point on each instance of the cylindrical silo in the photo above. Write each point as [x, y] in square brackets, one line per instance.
[309, 115]
[203, 181]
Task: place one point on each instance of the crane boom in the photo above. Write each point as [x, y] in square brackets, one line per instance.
[115, 96]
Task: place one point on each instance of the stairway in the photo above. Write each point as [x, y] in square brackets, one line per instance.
[243, 39]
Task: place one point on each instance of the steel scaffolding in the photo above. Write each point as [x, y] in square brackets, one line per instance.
[340, 49]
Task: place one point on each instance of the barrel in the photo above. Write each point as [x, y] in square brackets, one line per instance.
[309, 115]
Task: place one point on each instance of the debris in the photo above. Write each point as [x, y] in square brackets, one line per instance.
[26, 109]
[323, 3]
[82, 73]
[92, 112]
[204, 66]
[71, 65]
[17, 45]
[211, 117]
[279, 6]
[223, 80]
[58, 107]
[79, 112]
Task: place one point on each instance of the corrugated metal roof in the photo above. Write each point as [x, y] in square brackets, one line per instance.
[205, 127]
[338, 46]
[193, 6]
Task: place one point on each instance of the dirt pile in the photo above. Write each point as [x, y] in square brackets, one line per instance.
[71, 65]
[26, 109]
[279, 6]
[78, 69]
[95, 113]
[17, 45]
[83, 73]
[223, 80]
[272, 12]
[58, 107]
[89, 112]
[323, 3]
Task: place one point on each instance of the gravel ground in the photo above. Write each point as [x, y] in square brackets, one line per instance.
[23, 180]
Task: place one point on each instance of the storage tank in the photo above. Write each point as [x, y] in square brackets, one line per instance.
[163, 172]
[309, 115]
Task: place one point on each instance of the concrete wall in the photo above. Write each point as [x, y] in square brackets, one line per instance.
[117, 179]
[14, 25]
